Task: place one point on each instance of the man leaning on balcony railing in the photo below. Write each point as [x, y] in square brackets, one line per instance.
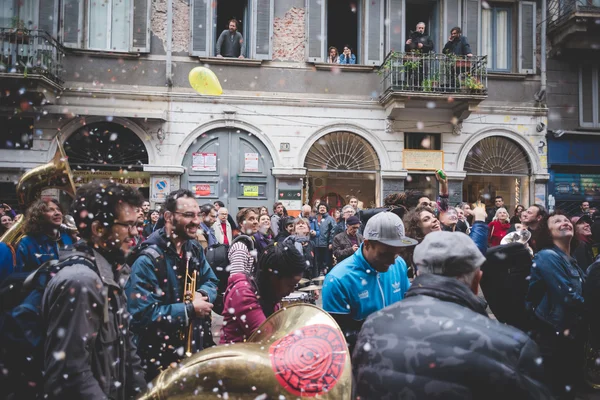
[457, 44]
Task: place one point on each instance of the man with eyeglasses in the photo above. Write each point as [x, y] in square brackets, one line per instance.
[161, 311]
[89, 350]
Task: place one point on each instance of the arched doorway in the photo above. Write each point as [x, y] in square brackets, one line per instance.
[105, 151]
[341, 165]
[497, 166]
[230, 165]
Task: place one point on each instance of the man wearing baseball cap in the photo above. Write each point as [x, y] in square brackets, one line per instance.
[372, 278]
[439, 342]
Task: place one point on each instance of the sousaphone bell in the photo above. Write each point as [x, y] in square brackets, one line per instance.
[299, 351]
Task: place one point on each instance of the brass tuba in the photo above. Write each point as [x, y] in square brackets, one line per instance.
[55, 174]
[299, 351]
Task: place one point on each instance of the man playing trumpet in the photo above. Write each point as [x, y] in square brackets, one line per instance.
[159, 297]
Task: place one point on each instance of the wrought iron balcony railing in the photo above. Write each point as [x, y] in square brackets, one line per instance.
[29, 52]
[434, 73]
[560, 11]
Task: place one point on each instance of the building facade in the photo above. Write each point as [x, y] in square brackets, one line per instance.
[574, 104]
[111, 81]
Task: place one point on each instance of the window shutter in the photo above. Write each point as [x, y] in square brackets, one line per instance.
[527, 37]
[451, 17]
[200, 26]
[72, 21]
[262, 29]
[472, 13]
[316, 36]
[48, 17]
[141, 26]
[395, 29]
[374, 30]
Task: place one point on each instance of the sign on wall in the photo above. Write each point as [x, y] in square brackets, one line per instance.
[204, 161]
[134, 178]
[251, 162]
[424, 160]
[160, 187]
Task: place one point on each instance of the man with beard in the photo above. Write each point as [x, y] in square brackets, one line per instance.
[44, 235]
[231, 42]
[89, 351]
[530, 220]
[161, 311]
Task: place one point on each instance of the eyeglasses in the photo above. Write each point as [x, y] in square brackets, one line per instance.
[189, 214]
[130, 226]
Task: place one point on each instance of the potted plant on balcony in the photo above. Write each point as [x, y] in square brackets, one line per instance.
[471, 84]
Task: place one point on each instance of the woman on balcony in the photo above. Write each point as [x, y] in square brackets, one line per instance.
[347, 57]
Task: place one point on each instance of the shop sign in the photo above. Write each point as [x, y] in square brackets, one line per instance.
[423, 160]
[204, 161]
[575, 187]
[136, 179]
[160, 187]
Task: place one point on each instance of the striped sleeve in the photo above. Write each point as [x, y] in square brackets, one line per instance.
[239, 259]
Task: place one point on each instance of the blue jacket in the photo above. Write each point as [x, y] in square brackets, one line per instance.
[157, 308]
[343, 60]
[556, 289]
[354, 287]
[7, 261]
[325, 235]
[479, 235]
[34, 250]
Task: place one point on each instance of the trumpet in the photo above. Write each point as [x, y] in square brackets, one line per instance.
[189, 288]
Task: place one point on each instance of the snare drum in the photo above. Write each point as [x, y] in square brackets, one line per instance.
[295, 298]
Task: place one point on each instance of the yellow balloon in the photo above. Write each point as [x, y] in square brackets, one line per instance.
[204, 81]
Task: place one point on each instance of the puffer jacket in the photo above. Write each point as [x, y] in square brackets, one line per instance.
[438, 343]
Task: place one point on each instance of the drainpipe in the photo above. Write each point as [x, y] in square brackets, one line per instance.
[169, 42]
[543, 50]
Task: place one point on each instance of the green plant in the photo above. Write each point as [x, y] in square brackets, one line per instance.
[472, 83]
[17, 23]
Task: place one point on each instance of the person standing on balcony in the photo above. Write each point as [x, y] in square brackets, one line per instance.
[457, 44]
[231, 42]
[418, 41]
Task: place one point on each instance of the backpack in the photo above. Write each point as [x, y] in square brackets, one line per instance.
[505, 285]
[22, 327]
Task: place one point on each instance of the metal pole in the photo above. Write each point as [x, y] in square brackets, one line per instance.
[169, 41]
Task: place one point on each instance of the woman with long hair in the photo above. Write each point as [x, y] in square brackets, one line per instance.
[264, 236]
[581, 247]
[6, 222]
[419, 222]
[151, 226]
[555, 298]
[302, 236]
[251, 297]
[498, 227]
[516, 218]
[333, 56]
[263, 211]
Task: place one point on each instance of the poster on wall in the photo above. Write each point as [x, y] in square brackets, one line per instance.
[204, 161]
[160, 187]
[251, 162]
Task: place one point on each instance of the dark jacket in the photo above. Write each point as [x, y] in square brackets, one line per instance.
[159, 315]
[88, 324]
[417, 38]
[342, 246]
[438, 343]
[458, 46]
[585, 254]
[326, 228]
[591, 293]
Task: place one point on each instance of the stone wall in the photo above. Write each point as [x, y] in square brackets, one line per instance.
[181, 23]
[289, 36]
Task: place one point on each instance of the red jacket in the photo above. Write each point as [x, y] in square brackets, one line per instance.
[497, 230]
[242, 312]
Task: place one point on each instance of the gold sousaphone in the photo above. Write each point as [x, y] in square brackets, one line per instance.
[299, 351]
[55, 174]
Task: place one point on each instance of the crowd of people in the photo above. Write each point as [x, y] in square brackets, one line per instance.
[402, 282]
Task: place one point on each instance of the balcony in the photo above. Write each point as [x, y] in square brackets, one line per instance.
[455, 84]
[573, 25]
[30, 67]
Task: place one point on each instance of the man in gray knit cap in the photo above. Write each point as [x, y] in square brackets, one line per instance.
[439, 342]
